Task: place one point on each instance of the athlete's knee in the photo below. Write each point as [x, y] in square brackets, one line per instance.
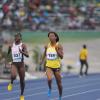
[59, 82]
[49, 79]
[22, 82]
[22, 79]
[21, 76]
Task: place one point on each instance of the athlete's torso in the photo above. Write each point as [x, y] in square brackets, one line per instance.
[52, 59]
[16, 55]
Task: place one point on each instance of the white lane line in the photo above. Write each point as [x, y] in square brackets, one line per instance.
[98, 99]
[38, 88]
[55, 90]
[78, 93]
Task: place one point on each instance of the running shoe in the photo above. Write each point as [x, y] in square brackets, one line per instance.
[21, 97]
[60, 98]
[49, 92]
[10, 87]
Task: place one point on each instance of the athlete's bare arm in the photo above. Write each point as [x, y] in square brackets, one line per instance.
[9, 49]
[59, 50]
[44, 55]
[24, 50]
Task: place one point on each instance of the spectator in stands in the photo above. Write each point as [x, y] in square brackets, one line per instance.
[28, 13]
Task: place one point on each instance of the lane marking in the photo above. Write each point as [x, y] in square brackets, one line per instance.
[78, 93]
[40, 93]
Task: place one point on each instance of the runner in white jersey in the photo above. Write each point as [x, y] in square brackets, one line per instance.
[18, 51]
[17, 56]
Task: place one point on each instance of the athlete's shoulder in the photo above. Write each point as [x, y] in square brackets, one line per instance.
[58, 45]
[23, 45]
[11, 44]
[46, 46]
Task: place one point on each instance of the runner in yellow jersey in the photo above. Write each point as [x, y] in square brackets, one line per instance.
[53, 54]
[83, 60]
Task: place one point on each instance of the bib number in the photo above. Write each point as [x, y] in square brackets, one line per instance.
[51, 56]
[17, 55]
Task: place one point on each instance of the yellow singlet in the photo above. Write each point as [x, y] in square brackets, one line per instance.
[83, 54]
[52, 59]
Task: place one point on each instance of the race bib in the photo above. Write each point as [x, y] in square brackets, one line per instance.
[51, 56]
[16, 55]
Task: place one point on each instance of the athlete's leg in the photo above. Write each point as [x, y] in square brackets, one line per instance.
[13, 72]
[13, 76]
[59, 82]
[49, 77]
[21, 71]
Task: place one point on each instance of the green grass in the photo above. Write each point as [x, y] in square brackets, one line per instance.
[41, 37]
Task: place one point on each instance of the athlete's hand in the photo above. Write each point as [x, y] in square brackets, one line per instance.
[20, 50]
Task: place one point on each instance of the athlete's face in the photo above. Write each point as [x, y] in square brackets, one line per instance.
[17, 38]
[52, 37]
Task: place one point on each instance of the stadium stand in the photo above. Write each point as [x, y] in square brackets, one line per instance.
[45, 14]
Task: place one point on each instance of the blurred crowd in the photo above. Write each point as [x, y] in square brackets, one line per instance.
[48, 15]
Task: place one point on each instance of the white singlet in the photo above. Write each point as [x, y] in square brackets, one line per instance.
[16, 55]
